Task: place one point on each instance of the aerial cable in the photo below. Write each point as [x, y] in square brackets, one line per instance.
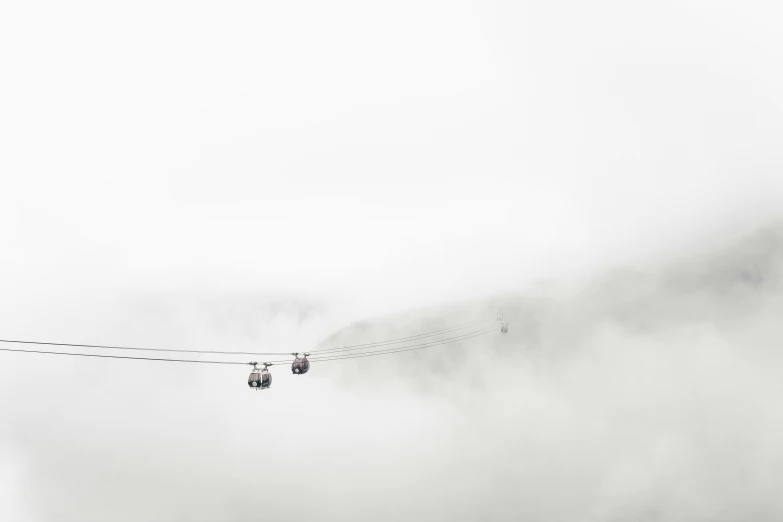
[198, 361]
[340, 357]
[126, 357]
[406, 348]
[401, 339]
[107, 347]
[219, 352]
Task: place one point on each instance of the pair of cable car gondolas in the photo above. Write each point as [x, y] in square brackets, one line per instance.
[300, 364]
[260, 379]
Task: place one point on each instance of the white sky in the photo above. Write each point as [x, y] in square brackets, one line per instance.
[406, 152]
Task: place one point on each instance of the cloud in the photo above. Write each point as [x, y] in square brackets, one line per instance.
[262, 175]
[644, 393]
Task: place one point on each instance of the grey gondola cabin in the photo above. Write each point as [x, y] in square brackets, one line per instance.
[300, 364]
[259, 379]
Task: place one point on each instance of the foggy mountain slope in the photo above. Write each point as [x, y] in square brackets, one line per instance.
[738, 282]
[278, 176]
[668, 376]
[647, 393]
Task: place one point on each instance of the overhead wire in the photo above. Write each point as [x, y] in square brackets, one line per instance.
[436, 342]
[327, 358]
[221, 352]
[135, 348]
[126, 357]
[404, 349]
[399, 340]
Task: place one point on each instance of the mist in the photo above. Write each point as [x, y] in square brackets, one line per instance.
[647, 392]
[248, 176]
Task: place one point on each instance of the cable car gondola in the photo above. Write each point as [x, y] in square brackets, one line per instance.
[300, 365]
[504, 328]
[260, 379]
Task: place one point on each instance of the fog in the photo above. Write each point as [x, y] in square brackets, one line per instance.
[647, 392]
[260, 177]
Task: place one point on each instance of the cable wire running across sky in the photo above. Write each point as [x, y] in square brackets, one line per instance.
[405, 349]
[401, 339]
[126, 357]
[261, 379]
[202, 361]
[221, 352]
